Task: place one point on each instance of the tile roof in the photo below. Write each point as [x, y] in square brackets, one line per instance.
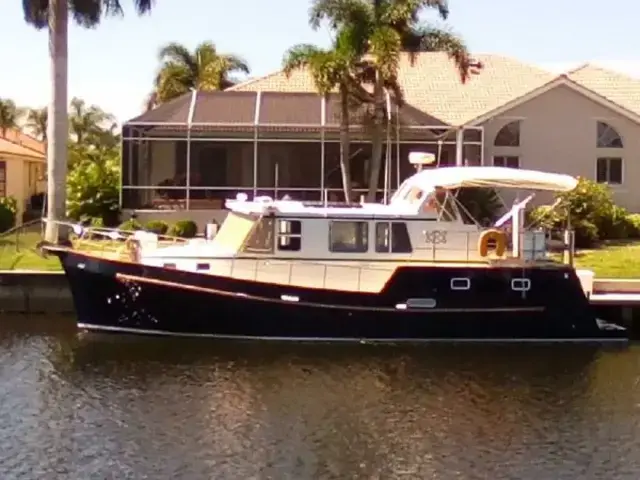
[432, 85]
[26, 141]
[11, 148]
[175, 111]
[616, 87]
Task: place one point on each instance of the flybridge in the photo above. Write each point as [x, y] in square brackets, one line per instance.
[416, 192]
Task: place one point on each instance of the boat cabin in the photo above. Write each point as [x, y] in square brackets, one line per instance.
[422, 222]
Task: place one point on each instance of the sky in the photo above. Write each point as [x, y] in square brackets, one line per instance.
[113, 65]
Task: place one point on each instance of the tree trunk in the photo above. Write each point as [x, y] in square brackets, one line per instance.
[58, 125]
[345, 158]
[377, 139]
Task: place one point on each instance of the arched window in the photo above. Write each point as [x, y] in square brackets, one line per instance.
[608, 137]
[509, 135]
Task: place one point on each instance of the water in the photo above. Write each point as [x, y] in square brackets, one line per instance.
[113, 408]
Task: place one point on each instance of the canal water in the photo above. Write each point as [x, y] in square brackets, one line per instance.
[84, 407]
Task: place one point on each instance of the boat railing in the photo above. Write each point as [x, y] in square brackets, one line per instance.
[111, 243]
[438, 245]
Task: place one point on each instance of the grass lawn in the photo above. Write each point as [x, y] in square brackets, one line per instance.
[612, 261]
[17, 252]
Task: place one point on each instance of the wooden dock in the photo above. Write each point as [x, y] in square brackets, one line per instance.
[616, 299]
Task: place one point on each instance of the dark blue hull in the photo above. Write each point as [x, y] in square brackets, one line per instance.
[125, 297]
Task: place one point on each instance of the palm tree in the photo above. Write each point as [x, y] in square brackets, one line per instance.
[332, 69]
[86, 122]
[37, 121]
[54, 15]
[384, 30]
[9, 116]
[203, 69]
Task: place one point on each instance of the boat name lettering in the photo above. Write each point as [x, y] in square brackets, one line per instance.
[435, 237]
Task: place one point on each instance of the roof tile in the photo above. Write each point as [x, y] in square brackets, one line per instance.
[11, 148]
[432, 84]
[616, 87]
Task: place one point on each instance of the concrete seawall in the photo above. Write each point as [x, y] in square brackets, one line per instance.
[29, 291]
[26, 291]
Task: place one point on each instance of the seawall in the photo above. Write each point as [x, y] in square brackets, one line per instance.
[28, 291]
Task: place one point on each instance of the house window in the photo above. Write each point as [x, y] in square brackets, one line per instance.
[3, 179]
[509, 161]
[509, 135]
[392, 237]
[290, 235]
[609, 170]
[349, 237]
[608, 137]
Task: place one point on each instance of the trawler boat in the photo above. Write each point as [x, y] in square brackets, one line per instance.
[415, 269]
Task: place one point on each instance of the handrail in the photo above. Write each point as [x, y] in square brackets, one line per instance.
[113, 240]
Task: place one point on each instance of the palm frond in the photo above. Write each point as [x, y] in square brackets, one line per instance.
[434, 39]
[177, 53]
[10, 115]
[86, 13]
[339, 13]
[299, 56]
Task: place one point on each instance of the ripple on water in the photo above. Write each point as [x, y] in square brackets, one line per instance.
[115, 407]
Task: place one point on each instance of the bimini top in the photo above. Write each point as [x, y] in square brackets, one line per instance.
[456, 177]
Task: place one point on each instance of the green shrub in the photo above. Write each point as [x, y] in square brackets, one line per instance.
[633, 225]
[158, 227]
[614, 225]
[131, 225]
[93, 186]
[97, 222]
[589, 210]
[586, 234]
[184, 229]
[8, 209]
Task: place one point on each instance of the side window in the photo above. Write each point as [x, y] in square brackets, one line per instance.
[400, 241]
[349, 237]
[289, 235]
[382, 237]
[261, 240]
[392, 237]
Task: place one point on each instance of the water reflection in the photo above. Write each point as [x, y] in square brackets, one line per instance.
[130, 407]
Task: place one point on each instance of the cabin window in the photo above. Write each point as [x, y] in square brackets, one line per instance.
[290, 235]
[169, 265]
[348, 237]
[392, 237]
[261, 238]
[446, 206]
[202, 266]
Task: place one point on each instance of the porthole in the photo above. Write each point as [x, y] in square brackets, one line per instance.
[460, 283]
[520, 284]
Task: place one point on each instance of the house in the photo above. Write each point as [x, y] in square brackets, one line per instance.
[274, 135]
[22, 168]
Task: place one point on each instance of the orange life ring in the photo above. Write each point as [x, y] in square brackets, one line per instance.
[497, 236]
